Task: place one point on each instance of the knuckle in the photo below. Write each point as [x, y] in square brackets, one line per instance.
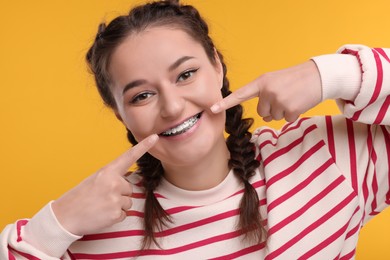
[265, 78]
[293, 110]
[291, 117]
[116, 215]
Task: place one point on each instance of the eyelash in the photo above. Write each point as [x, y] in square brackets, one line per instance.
[144, 95]
[140, 97]
[191, 72]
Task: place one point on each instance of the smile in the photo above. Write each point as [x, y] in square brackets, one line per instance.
[183, 127]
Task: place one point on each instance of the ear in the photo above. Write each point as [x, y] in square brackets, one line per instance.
[218, 66]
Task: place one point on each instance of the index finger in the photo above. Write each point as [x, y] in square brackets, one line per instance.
[128, 158]
[242, 94]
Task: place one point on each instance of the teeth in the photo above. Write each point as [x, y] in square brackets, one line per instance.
[182, 127]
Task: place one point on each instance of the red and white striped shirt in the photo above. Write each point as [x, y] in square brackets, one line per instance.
[319, 181]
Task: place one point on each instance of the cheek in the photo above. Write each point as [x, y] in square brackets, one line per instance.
[210, 90]
[140, 124]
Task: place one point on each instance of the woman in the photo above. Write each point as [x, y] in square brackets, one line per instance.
[301, 192]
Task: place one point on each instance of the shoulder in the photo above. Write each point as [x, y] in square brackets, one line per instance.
[293, 139]
[268, 137]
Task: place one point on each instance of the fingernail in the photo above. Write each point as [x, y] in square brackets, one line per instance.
[215, 108]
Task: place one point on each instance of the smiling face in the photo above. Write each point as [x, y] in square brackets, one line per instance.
[164, 83]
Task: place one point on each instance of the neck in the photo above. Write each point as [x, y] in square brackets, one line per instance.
[203, 174]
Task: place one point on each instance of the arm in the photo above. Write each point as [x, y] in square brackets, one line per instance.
[360, 144]
[360, 82]
[359, 79]
[41, 237]
[98, 202]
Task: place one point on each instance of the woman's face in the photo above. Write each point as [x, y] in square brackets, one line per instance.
[164, 83]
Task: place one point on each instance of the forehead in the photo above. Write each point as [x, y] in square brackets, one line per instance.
[156, 45]
[149, 53]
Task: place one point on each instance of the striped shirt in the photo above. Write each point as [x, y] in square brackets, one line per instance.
[320, 179]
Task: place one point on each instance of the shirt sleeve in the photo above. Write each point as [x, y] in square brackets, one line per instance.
[41, 237]
[358, 77]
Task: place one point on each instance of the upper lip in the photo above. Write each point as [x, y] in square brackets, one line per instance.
[177, 124]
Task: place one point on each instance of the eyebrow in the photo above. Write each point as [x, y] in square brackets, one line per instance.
[174, 66]
[133, 84]
[179, 62]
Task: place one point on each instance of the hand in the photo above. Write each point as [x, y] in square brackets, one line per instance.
[282, 94]
[102, 199]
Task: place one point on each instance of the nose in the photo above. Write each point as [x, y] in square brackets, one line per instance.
[172, 103]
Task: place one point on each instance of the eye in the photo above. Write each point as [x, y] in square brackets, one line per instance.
[186, 75]
[140, 97]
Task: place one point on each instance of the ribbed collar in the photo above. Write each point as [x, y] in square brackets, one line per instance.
[226, 188]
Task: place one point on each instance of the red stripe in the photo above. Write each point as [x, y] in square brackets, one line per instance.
[176, 210]
[171, 251]
[374, 184]
[240, 253]
[353, 231]
[349, 51]
[70, 255]
[349, 256]
[109, 235]
[373, 158]
[164, 233]
[378, 85]
[259, 158]
[19, 226]
[330, 135]
[134, 213]
[383, 53]
[28, 256]
[355, 53]
[365, 189]
[285, 130]
[138, 195]
[387, 143]
[289, 147]
[255, 185]
[298, 163]
[171, 211]
[287, 127]
[10, 255]
[329, 240]
[382, 111]
[352, 154]
[198, 223]
[325, 243]
[311, 227]
[300, 186]
[307, 206]
[267, 130]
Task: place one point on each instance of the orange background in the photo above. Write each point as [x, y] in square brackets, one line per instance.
[55, 131]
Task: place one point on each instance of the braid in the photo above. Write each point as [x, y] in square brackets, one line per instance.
[183, 17]
[242, 161]
[154, 215]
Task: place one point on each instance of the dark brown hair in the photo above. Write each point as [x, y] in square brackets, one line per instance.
[242, 158]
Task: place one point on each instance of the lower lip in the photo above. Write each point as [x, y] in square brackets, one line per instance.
[186, 134]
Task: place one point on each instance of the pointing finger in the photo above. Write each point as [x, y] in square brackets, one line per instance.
[247, 92]
[128, 158]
